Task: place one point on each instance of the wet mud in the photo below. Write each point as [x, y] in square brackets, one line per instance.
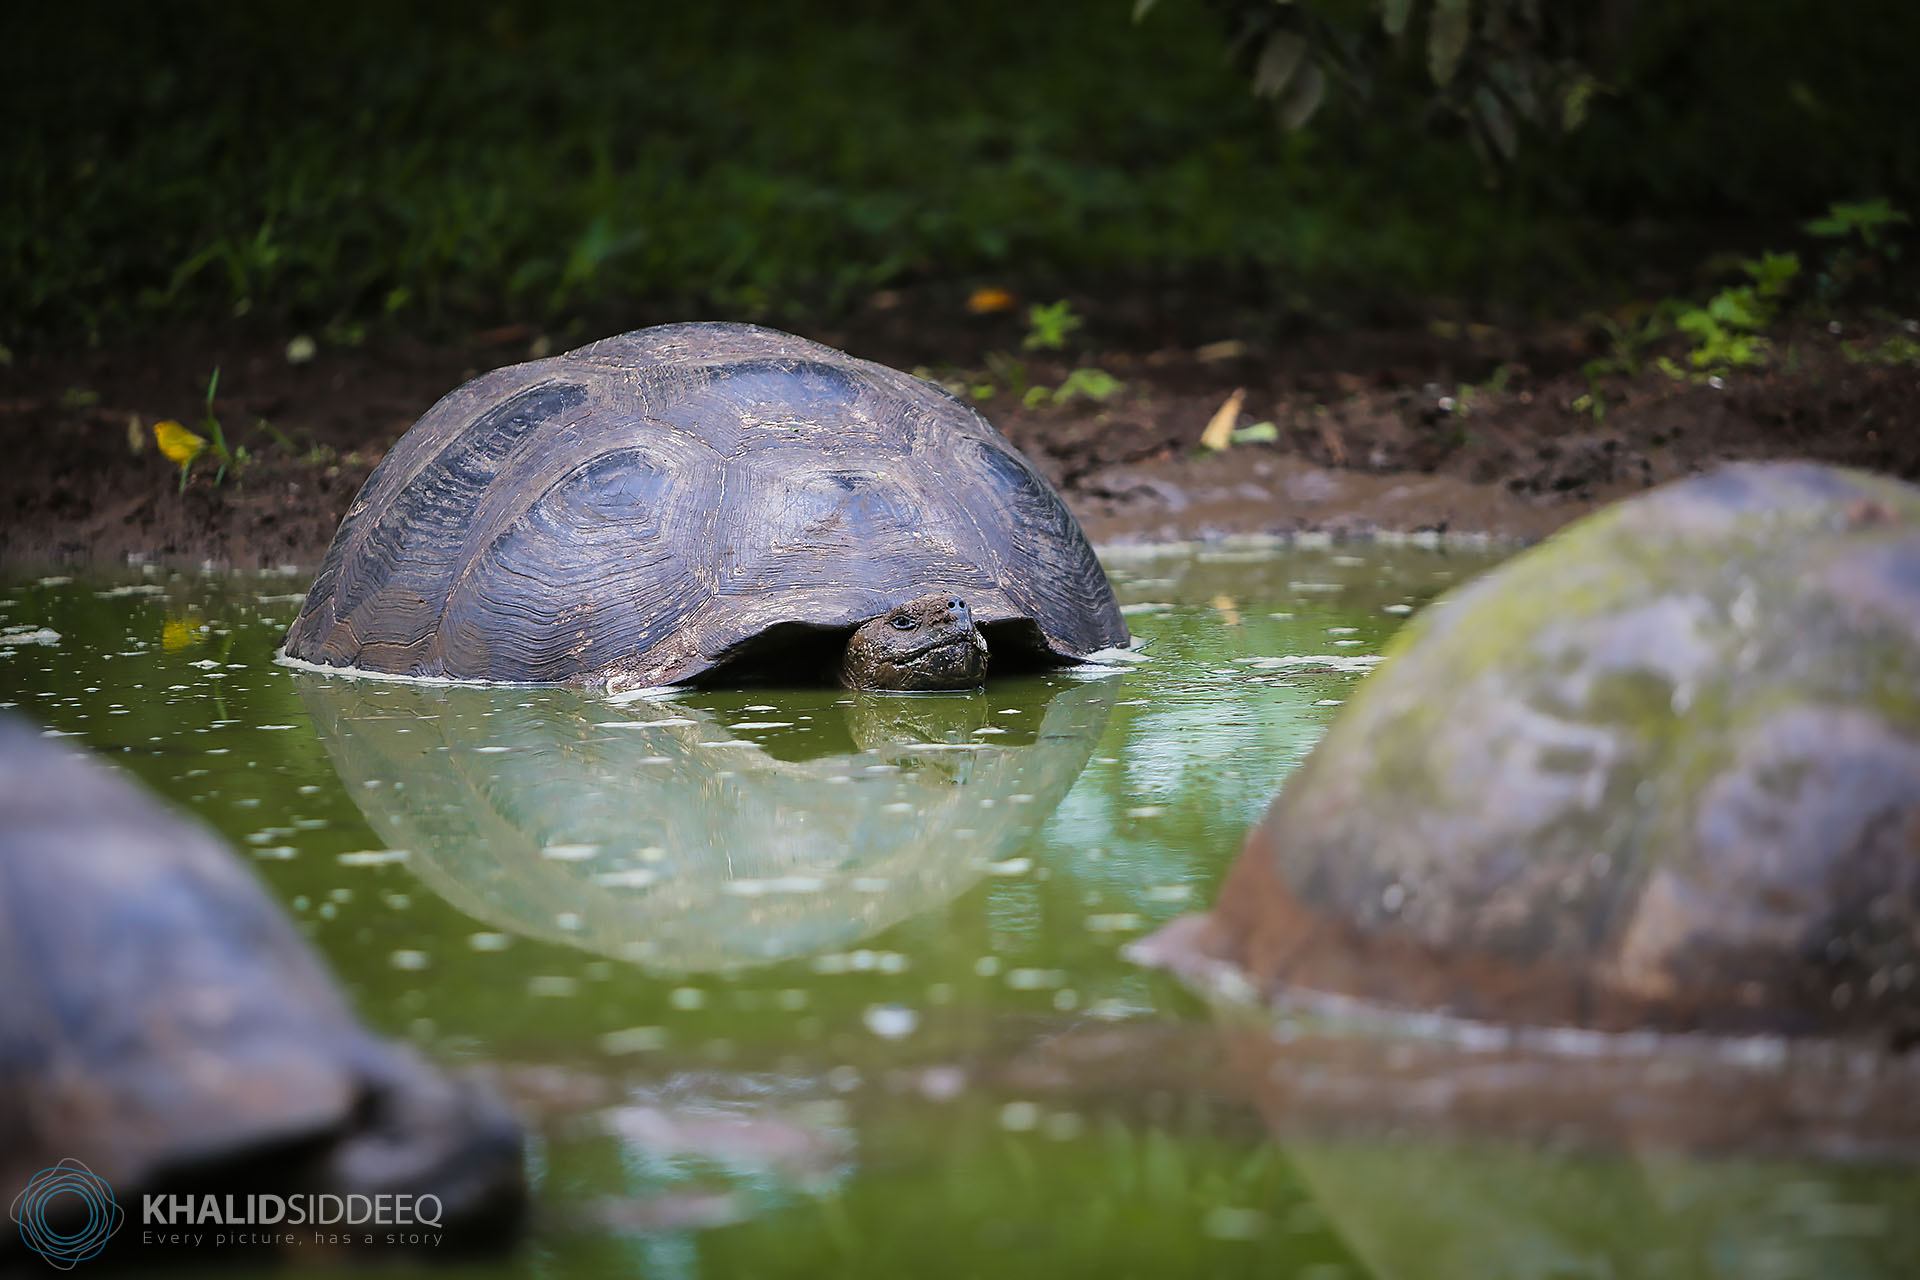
[1483, 433]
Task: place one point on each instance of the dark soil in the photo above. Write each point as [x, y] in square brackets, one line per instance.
[1374, 431]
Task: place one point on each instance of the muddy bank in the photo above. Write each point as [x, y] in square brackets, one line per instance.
[1476, 432]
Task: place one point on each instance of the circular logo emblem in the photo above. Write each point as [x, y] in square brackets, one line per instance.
[71, 1196]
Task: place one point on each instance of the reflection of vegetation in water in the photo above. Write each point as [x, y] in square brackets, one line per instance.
[1453, 1212]
[1033, 1188]
[1250, 657]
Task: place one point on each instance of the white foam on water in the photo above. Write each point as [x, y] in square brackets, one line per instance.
[647, 693]
[1335, 661]
[13, 637]
[569, 852]
[631, 878]
[284, 659]
[372, 857]
[774, 885]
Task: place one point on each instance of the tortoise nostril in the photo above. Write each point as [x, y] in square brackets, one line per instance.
[956, 603]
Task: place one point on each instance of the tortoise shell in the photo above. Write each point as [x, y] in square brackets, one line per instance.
[651, 506]
[1663, 770]
[163, 1022]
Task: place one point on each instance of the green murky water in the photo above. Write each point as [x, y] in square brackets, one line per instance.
[798, 982]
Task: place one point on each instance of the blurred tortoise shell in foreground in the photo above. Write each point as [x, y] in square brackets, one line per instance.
[164, 1023]
[653, 506]
[1661, 771]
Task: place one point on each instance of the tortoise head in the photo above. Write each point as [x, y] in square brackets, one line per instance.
[928, 643]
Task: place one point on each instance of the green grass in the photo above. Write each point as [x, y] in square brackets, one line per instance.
[337, 165]
[343, 166]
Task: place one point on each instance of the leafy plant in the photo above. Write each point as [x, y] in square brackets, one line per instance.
[1900, 349]
[1498, 65]
[1088, 383]
[1729, 331]
[1627, 341]
[1863, 241]
[1460, 403]
[1870, 220]
[1048, 326]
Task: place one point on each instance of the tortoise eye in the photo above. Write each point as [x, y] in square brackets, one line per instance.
[901, 622]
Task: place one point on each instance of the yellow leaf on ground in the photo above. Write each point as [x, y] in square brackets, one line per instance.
[1219, 432]
[990, 299]
[178, 633]
[177, 442]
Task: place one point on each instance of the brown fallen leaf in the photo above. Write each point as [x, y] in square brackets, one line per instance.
[1216, 352]
[1219, 432]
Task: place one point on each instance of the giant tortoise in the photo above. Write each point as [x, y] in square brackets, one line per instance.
[656, 506]
[166, 1027]
[1662, 771]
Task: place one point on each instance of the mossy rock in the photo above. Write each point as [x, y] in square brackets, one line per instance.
[1663, 770]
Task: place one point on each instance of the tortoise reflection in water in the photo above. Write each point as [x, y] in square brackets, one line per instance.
[653, 832]
[1663, 771]
[163, 1023]
[664, 504]
[1442, 1150]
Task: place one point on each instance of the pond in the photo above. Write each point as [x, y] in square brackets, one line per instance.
[804, 982]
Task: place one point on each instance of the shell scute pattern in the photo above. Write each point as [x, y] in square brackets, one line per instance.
[377, 601]
[648, 504]
[1034, 557]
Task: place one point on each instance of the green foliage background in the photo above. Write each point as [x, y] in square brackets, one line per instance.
[608, 163]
